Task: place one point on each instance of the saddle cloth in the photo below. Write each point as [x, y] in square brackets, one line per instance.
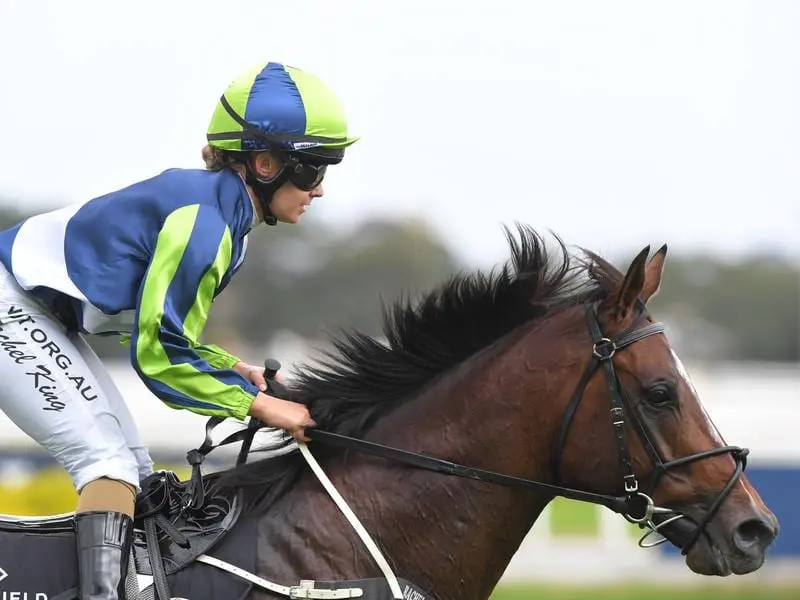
[38, 557]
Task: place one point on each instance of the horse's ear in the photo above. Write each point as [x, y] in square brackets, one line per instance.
[652, 274]
[630, 288]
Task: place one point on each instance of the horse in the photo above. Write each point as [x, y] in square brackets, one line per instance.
[489, 396]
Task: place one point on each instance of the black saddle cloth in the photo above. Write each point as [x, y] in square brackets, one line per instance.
[38, 557]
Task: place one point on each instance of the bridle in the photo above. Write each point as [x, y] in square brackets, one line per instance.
[641, 508]
[635, 506]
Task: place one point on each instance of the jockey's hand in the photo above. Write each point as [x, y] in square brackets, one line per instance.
[253, 374]
[290, 416]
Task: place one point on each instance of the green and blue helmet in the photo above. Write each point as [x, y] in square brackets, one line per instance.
[278, 107]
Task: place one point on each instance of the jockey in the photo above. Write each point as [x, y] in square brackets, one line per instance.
[145, 263]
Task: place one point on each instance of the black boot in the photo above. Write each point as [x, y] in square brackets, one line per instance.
[104, 544]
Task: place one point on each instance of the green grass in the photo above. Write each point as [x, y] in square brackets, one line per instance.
[574, 518]
[636, 592]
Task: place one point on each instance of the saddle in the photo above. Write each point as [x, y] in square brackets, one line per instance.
[183, 531]
[51, 524]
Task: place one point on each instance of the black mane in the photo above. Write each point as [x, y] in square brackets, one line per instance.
[364, 379]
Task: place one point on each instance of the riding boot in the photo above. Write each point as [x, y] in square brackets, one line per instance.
[104, 542]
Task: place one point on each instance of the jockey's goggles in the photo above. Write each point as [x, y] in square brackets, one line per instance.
[305, 176]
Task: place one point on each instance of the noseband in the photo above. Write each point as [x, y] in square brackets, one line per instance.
[640, 507]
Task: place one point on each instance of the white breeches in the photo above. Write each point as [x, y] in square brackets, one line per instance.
[54, 387]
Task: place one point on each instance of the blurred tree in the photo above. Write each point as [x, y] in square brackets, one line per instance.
[754, 305]
[316, 281]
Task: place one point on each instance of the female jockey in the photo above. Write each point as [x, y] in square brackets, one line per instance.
[146, 262]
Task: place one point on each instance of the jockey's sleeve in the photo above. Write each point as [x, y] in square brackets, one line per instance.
[192, 254]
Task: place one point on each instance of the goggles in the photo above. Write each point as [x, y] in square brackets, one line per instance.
[304, 175]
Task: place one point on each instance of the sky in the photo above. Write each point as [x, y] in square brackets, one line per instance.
[613, 124]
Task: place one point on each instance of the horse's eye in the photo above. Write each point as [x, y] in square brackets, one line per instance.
[660, 394]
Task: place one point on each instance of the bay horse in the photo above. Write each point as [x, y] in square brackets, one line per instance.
[546, 377]
[483, 372]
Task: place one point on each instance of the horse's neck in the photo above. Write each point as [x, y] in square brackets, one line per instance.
[449, 534]
[452, 536]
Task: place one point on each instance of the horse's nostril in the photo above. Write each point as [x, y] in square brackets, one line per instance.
[752, 533]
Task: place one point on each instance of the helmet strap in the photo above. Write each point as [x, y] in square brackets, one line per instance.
[265, 190]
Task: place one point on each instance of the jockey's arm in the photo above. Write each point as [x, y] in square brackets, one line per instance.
[192, 254]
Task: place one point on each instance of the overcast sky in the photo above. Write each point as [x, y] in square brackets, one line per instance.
[616, 124]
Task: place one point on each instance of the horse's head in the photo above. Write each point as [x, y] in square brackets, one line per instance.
[676, 455]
